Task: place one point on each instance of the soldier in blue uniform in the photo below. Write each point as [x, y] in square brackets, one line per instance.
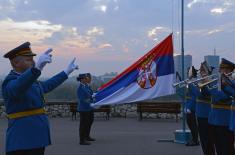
[231, 91]
[28, 127]
[219, 116]
[190, 106]
[203, 107]
[85, 99]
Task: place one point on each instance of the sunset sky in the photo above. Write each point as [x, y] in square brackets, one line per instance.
[109, 35]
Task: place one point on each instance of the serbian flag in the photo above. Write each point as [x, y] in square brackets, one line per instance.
[150, 77]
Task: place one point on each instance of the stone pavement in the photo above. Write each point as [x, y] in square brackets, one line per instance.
[118, 136]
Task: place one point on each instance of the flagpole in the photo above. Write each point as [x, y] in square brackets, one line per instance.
[182, 136]
[182, 55]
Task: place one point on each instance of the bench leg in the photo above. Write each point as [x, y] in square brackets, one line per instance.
[140, 116]
[107, 116]
[177, 119]
[72, 116]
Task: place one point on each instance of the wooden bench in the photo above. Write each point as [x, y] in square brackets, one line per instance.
[105, 109]
[158, 107]
[73, 110]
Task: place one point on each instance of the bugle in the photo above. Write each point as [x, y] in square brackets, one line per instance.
[203, 78]
[200, 85]
[180, 84]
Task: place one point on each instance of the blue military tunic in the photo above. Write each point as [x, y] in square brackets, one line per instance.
[22, 92]
[84, 93]
[203, 101]
[231, 91]
[220, 111]
[190, 99]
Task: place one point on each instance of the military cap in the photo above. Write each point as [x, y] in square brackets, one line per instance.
[81, 76]
[22, 50]
[205, 67]
[192, 72]
[227, 64]
[88, 74]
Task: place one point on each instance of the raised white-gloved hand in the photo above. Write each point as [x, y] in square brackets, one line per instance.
[93, 95]
[233, 76]
[44, 59]
[188, 111]
[71, 67]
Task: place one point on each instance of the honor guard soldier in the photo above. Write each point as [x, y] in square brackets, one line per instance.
[219, 116]
[232, 92]
[203, 107]
[190, 106]
[28, 126]
[85, 99]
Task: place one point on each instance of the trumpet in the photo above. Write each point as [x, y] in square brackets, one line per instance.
[230, 75]
[186, 82]
[200, 85]
[180, 84]
[213, 76]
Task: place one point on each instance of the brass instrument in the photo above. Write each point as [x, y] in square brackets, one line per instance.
[180, 84]
[186, 82]
[230, 74]
[200, 85]
[203, 78]
[218, 78]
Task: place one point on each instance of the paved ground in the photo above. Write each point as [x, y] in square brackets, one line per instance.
[118, 136]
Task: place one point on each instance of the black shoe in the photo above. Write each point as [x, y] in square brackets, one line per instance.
[85, 143]
[192, 143]
[90, 139]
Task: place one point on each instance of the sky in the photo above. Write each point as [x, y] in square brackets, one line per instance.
[109, 35]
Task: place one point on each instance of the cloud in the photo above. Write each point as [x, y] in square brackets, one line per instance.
[216, 11]
[228, 27]
[193, 2]
[107, 45]
[116, 8]
[34, 30]
[103, 5]
[155, 32]
[68, 37]
[26, 2]
[101, 8]
[125, 49]
[7, 6]
[214, 31]
[226, 6]
[94, 31]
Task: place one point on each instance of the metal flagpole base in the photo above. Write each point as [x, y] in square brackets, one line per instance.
[166, 140]
[182, 137]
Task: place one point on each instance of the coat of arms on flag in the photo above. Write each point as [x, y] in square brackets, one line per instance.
[149, 77]
[147, 73]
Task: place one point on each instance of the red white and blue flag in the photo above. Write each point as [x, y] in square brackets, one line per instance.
[150, 77]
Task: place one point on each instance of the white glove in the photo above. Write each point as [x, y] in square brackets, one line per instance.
[188, 111]
[93, 95]
[93, 105]
[44, 59]
[71, 67]
[190, 72]
[233, 76]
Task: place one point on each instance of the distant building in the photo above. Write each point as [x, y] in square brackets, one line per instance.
[108, 76]
[178, 64]
[213, 60]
